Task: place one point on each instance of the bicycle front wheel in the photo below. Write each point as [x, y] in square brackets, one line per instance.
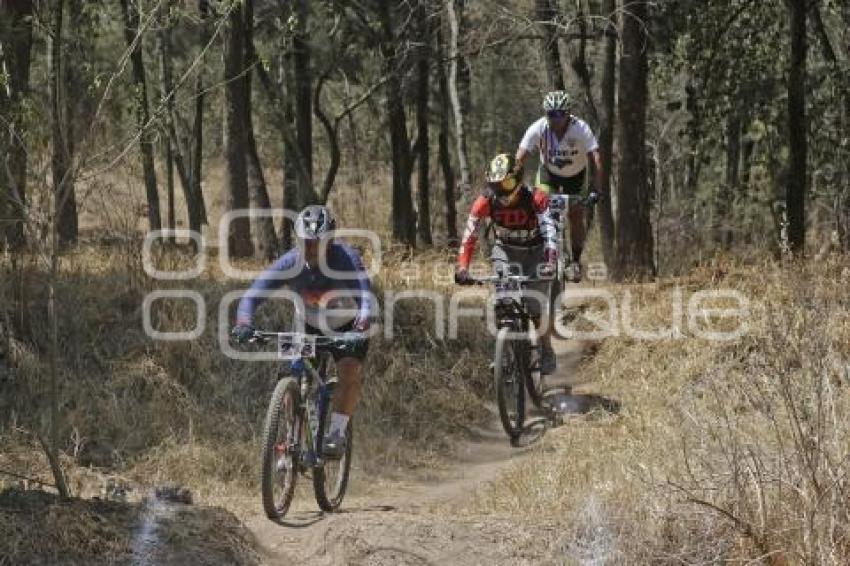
[330, 478]
[509, 364]
[281, 439]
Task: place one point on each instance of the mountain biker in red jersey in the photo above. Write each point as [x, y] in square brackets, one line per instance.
[524, 235]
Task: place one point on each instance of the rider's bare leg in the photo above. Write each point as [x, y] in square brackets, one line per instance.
[347, 391]
[577, 231]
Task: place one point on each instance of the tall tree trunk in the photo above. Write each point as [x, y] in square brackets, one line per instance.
[303, 94]
[797, 128]
[634, 231]
[579, 63]
[239, 232]
[843, 202]
[693, 168]
[167, 102]
[547, 20]
[195, 204]
[404, 222]
[606, 127]
[729, 188]
[457, 72]
[173, 149]
[16, 57]
[443, 143]
[290, 149]
[131, 30]
[263, 226]
[423, 89]
[65, 209]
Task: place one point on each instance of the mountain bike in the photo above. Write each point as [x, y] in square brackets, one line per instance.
[559, 208]
[516, 360]
[298, 415]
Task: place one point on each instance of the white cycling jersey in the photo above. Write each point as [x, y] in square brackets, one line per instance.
[565, 156]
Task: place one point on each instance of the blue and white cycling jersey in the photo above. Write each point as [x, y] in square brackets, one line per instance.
[339, 294]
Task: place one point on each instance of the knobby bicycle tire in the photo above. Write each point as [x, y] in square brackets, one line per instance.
[328, 487]
[275, 451]
[509, 383]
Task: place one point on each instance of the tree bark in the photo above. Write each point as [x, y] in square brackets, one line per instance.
[423, 85]
[167, 102]
[239, 232]
[579, 64]
[634, 231]
[606, 133]
[65, 209]
[843, 199]
[263, 226]
[131, 30]
[290, 147]
[457, 66]
[16, 57]
[731, 185]
[332, 133]
[196, 207]
[797, 128]
[547, 19]
[303, 88]
[443, 144]
[403, 220]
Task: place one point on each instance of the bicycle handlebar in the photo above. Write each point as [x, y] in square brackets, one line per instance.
[322, 341]
[506, 278]
[562, 202]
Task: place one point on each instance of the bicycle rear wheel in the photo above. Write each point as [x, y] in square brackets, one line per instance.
[280, 453]
[509, 376]
[330, 478]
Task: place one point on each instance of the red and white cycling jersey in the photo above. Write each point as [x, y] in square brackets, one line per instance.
[525, 223]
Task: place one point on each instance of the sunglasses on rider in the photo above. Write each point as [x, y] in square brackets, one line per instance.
[506, 185]
[556, 114]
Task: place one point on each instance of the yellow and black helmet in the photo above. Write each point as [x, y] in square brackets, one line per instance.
[503, 176]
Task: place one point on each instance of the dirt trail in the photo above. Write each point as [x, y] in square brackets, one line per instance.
[403, 523]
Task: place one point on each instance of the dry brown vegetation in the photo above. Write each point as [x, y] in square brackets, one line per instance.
[723, 451]
[182, 411]
[733, 451]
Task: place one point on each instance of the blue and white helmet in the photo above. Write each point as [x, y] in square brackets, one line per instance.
[557, 100]
[314, 222]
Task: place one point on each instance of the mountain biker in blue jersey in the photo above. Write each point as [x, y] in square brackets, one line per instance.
[336, 295]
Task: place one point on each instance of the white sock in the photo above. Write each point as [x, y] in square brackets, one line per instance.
[338, 423]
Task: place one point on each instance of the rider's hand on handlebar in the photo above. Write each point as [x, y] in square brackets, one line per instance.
[242, 332]
[462, 276]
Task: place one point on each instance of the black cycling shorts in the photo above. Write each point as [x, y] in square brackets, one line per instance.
[555, 184]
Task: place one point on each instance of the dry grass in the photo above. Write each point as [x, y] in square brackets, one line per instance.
[732, 451]
[182, 411]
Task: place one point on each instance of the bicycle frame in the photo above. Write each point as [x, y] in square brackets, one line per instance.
[313, 399]
[559, 207]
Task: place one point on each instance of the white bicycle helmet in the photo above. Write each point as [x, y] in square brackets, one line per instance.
[314, 222]
[557, 100]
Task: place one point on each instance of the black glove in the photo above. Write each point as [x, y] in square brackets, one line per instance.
[242, 332]
[462, 276]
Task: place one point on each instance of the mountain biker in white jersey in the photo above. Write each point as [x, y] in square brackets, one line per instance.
[335, 300]
[566, 146]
